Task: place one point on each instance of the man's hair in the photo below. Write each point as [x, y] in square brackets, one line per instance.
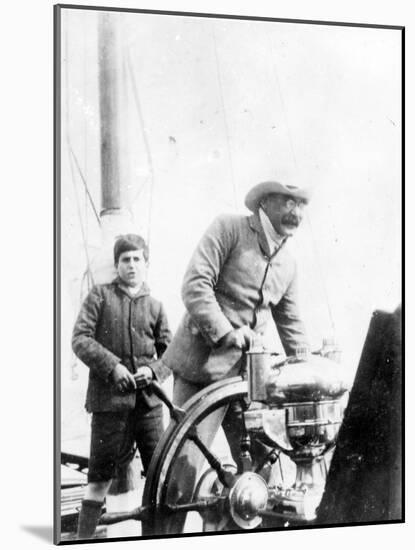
[126, 243]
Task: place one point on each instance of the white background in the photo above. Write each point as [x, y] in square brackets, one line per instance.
[27, 235]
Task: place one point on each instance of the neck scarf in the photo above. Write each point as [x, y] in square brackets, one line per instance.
[274, 239]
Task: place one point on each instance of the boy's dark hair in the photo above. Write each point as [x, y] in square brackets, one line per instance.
[125, 243]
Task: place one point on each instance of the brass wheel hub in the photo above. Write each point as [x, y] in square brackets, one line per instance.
[247, 498]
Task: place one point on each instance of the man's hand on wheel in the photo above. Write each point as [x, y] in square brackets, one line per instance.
[240, 338]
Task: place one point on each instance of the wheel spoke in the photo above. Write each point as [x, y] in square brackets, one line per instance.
[115, 517]
[224, 475]
[245, 455]
[197, 506]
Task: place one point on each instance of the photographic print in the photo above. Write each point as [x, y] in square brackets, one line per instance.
[228, 204]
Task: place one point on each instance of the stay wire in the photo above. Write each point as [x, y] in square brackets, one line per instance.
[145, 140]
[84, 183]
[225, 119]
[140, 188]
[290, 140]
[322, 277]
[72, 158]
[284, 111]
[86, 190]
[78, 207]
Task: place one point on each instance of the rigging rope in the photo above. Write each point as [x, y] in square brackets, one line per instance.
[72, 159]
[80, 220]
[86, 191]
[278, 85]
[289, 133]
[222, 99]
[84, 182]
[145, 140]
[322, 277]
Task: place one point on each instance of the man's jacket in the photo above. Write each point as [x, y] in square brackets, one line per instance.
[114, 328]
[233, 280]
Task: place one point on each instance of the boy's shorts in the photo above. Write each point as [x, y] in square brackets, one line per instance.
[113, 438]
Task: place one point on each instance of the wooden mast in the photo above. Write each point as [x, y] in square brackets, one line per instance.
[109, 69]
[115, 218]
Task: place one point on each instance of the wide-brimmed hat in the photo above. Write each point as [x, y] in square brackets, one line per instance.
[261, 190]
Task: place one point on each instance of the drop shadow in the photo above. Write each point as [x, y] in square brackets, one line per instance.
[43, 532]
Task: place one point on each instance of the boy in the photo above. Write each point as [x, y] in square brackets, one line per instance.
[119, 332]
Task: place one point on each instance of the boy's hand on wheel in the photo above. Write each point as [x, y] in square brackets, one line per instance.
[143, 376]
[123, 379]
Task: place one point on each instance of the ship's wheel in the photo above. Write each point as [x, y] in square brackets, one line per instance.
[225, 498]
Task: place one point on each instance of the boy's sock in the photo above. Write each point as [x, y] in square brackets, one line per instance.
[88, 518]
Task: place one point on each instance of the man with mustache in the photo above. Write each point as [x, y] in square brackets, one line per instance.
[239, 278]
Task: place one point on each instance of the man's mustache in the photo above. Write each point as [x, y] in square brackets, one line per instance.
[290, 220]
